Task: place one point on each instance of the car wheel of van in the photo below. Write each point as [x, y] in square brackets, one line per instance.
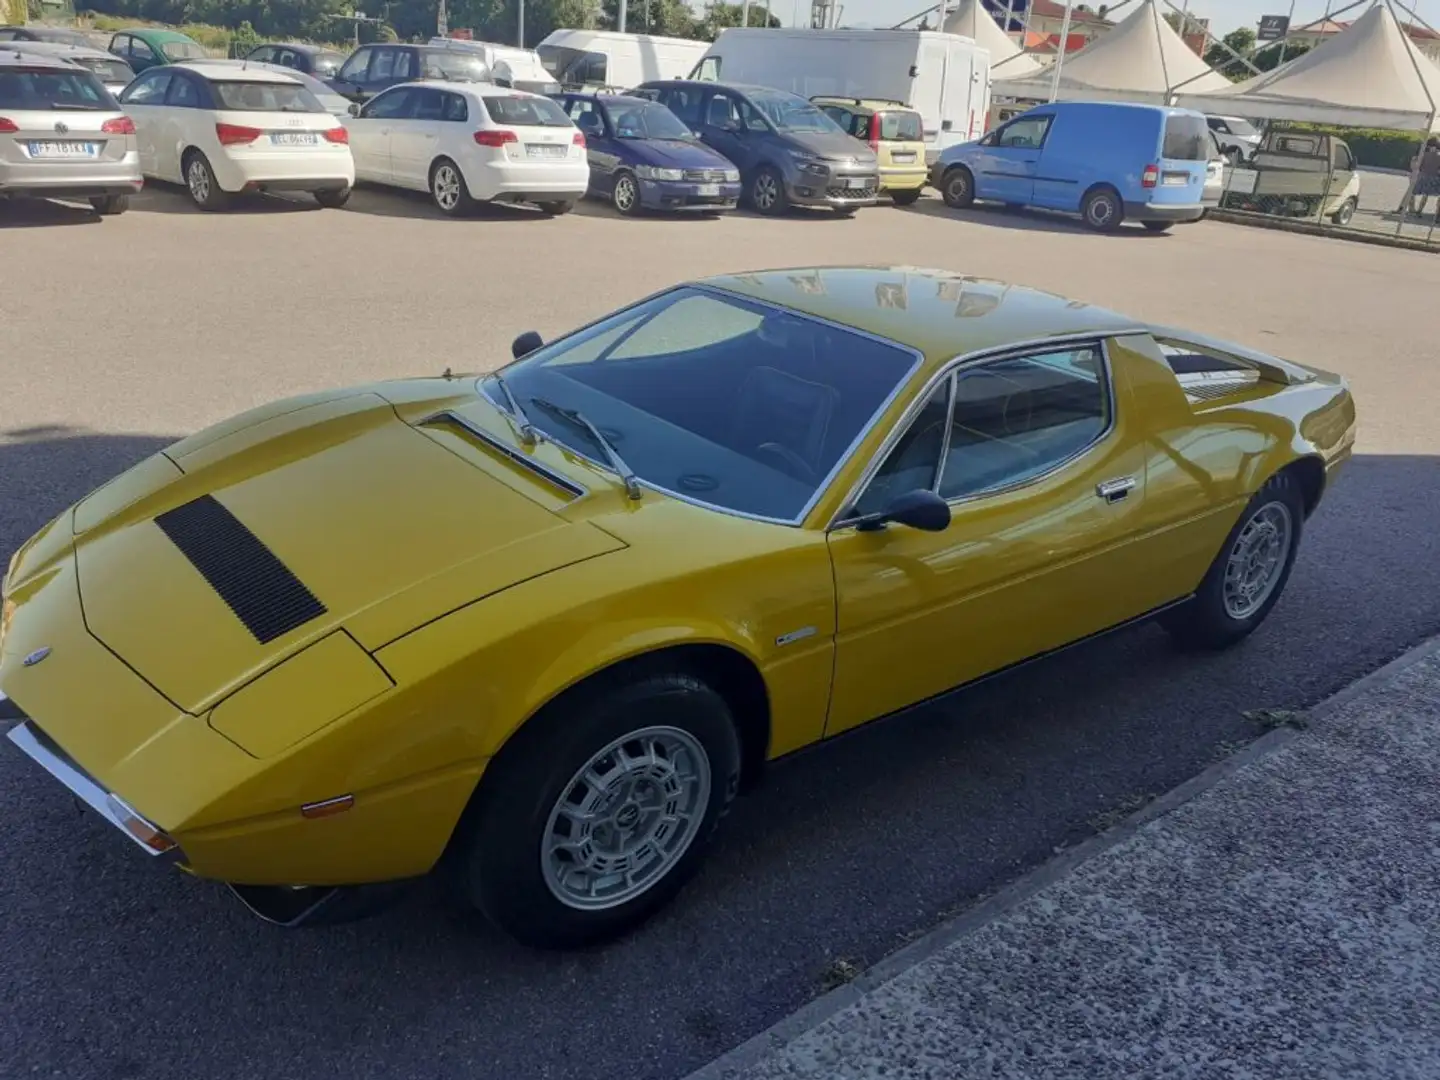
[200, 181]
[333, 198]
[626, 194]
[110, 205]
[767, 191]
[906, 198]
[1102, 211]
[448, 190]
[599, 809]
[1246, 579]
[1343, 215]
[1158, 226]
[957, 188]
[557, 207]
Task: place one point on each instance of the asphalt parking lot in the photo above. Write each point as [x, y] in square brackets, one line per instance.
[123, 335]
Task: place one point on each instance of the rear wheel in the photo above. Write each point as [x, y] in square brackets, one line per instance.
[200, 181]
[599, 810]
[110, 205]
[334, 198]
[448, 190]
[1101, 210]
[905, 198]
[957, 188]
[1158, 226]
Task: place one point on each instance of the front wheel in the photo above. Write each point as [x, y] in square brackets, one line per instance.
[1343, 215]
[957, 188]
[626, 194]
[767, 192]
[1246, 579]
[599, 810]
[905, 198]
[110, 205]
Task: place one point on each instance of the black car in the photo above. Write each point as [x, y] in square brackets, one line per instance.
[314, 60]
[57, 34]
[372, 68]
[789, 152]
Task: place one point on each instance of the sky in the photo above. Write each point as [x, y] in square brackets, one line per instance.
[1224, 15]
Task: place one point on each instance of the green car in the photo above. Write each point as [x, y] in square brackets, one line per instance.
[145, 47]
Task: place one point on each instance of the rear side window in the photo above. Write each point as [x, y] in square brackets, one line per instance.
[899, 127]
[265, 97]
[24, 88]
[109, 70]
[1187, 138]
[526, 111]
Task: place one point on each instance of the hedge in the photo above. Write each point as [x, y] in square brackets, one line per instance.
[1373, 147]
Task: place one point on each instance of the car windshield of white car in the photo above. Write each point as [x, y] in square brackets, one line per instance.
[526, 112]
[46, 88]
[649, 121]
[712, 397]
[266, 97]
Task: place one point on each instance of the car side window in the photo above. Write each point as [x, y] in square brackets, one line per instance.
[263, 55]
[750, 116]
[404, 64]
[429, 105]
[1019, 417]
[843, 117]
[8, 35]
[354, 69]
[140, 50]
[382, 65]
[684, 103]
[456, 110]
[1026, 133]
[721, 112]
[288, 58]
[1343, 160]
[147, 90]
[914, 461]
[183, 93]
[391, 105]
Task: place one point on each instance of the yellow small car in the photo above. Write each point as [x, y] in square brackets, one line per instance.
[894, 131]
[539, 626]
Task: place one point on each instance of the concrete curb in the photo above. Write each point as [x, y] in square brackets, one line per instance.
[816, 1012]
[1310, 228]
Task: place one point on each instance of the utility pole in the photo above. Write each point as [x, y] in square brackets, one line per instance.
[1060, 58]
[442, 24]
[520, 32]
[621, 19]
[745, 13]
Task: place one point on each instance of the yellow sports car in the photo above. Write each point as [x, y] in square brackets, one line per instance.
[539, 626]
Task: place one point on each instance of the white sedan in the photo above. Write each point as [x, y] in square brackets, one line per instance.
[470, 142]
[221, 130]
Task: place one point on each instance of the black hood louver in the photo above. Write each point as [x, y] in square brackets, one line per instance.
[253, 582]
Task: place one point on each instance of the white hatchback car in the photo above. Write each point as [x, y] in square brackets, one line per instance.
[221, 130]
[470, 142]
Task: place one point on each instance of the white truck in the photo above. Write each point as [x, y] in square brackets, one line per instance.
[509, 65]
[943, 77]
[578, 58]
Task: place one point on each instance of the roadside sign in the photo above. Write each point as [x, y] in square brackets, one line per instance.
[1272, 27]
[1015, 10]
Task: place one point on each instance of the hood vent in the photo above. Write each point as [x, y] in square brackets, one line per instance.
[253, 582]
[1214, 385]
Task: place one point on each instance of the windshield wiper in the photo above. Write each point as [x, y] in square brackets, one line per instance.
[574, 416]
[518, 420]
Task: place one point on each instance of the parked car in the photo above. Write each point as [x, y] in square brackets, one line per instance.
[314, 60]
[57, 34]
[1239, 138]
[1307, 174]
[789, 153]
[115, 74]
[540, 626]
[144, 47]
[223, 129]
[643, 158]
[1215, 174]
[62, 135]
[373, 68]
[519, 69]
[468, 143]
[892, 130]
[334, 104]
[1109, 162]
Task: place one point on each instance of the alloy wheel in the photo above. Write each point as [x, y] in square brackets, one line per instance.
[766, 191]
[198, 179]
[1257, 560]
[446, 188]
[625, 194]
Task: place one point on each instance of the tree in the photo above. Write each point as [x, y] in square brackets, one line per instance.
[1268, 58]
[1223, 59]
[722, 16]
[671, 18]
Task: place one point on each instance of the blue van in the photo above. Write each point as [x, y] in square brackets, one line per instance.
[1109, 162]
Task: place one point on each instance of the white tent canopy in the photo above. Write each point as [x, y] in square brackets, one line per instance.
[1141, 59]
[1369, 75]
[1007, 59]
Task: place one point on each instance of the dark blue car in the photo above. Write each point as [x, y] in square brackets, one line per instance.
[643, 158]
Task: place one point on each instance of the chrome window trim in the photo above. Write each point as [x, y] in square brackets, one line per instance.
[953, 367]
[822, 486]
[945, 435]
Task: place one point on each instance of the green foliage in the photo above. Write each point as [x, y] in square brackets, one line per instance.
[720, 16]
[1223, 59]
[1268, 58]
[1374, 148]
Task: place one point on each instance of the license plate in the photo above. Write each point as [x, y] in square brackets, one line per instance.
[903, 159]
[857, 182]
[707, 189]
[293, 138]
[63, 149]
[1176, 179]
[544, 150]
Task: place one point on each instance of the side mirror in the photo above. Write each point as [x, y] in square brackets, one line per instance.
[920, 509]
[354, 109]
[527, 343]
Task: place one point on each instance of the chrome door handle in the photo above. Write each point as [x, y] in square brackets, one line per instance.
[1112, 491]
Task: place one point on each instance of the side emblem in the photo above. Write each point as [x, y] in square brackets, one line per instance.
[35, 657]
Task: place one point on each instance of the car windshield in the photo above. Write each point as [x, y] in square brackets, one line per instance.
[254, 96]
[1238, 126]
[526, 111]
[326, 63]
[182, 50]
[900, 126]
[1187, 138]
[46, 88]
[714, 398]
[648, 121]
[113, 71]
[454, 66]
[792, 114]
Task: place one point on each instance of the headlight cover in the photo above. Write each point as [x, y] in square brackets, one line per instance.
[654, 172]
[732, 176]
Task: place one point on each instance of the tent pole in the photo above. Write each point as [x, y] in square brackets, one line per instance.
[1160, 46]
[1288, 19]
[1060, 59]
[1212, 39]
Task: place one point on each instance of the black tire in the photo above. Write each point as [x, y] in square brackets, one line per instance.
[333, 198]
[906, 198]
[1205, 621]
[497, 855]
[555, 208]
[1233, 157]
[110, 205]
[625, 195]
[766, 192]
[1344, 213]
[448, 190]
[200, 182]
[957, 188]
[1102, 211]
[1158, 226]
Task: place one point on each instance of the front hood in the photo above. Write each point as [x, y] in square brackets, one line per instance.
[838, 145]
[677, 154]
[203, 567]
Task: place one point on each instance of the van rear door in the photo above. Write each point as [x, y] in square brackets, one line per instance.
[927, 93]
[1184, 151]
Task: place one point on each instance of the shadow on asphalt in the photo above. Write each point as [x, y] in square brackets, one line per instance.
[21, 213]
[162, 198]
[997, 216]
[845, 852]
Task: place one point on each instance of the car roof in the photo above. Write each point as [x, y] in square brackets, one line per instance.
[12, 57]
[610, 99]
[872, 104]
[933, 316]
[298, 46]
[58, 48]
[208, 69]
[741, 88]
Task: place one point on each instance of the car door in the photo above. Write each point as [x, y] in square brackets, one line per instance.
[601, 150]
[414, 138]
[186, 110]
[1008, 157]
[144, 102]
[1042, 464]
[370, 133]
[142, 56]
[722, 129]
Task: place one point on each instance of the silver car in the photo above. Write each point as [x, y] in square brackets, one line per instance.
[63, 135]
[115, 73]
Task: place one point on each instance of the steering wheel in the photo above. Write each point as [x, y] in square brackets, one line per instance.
[790, 462]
